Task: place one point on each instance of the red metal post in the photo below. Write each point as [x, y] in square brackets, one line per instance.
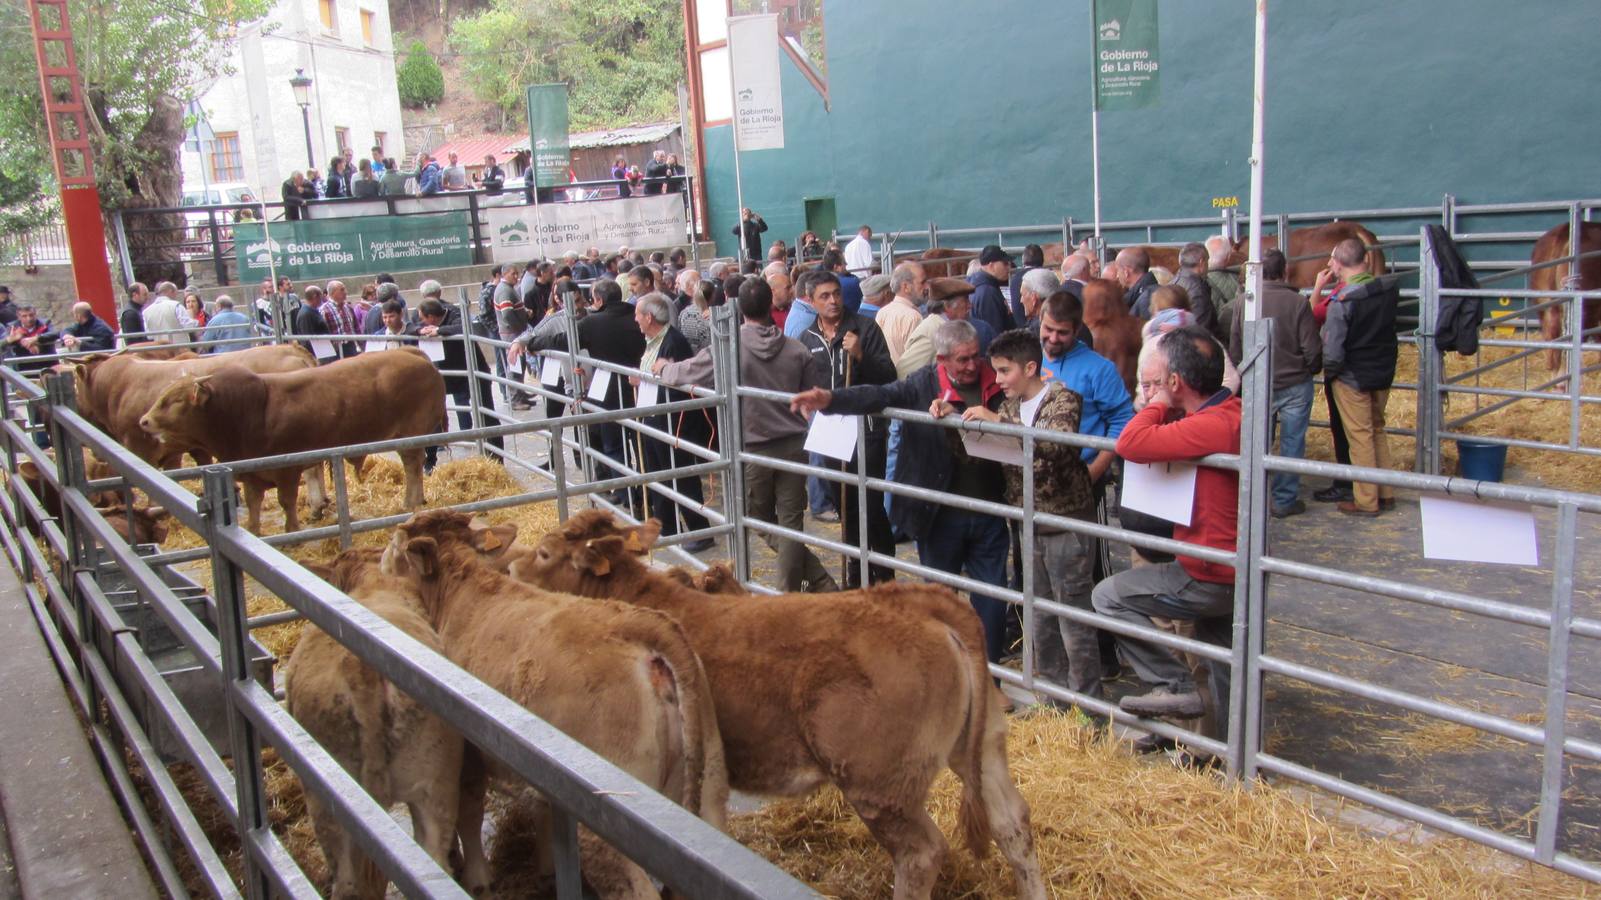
[64, 112]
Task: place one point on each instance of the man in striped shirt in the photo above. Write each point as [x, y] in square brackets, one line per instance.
[342, 319]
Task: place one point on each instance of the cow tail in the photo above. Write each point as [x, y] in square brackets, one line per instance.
[677, 676]
[973, 816]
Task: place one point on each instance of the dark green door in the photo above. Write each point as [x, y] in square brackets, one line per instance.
[820, 216]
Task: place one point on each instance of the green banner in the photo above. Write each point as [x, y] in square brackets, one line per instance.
[1126, 64]
[332, 248]
[547, 133]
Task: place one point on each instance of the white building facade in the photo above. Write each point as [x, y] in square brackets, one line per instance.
[257, 131]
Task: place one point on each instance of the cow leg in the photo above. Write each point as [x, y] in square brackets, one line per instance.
[316, 492]
[470, 822]
[337, 848]
[411, 461]
[254, 493]
[914, 842]
[1551, 329]
[358, 466]
[433, 776]
[611, 875]
[288, 496]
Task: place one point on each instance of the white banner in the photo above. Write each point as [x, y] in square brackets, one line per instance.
[637, 222]
[758, 93]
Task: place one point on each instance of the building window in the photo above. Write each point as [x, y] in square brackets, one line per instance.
[325, 9]
[716, 85]
[342, 141]
[366, 26]
[381, 141]
[226, 163]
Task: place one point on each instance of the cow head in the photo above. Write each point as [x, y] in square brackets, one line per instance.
[421, 544]
[718, 579]
[586, 553]
[171, 417]
[149, 523]
[1103, 301]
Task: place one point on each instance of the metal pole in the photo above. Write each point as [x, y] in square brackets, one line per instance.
[689, 184]
[1243, 729]
[1026, 551]
[1556, 686]
[739, 182]
[341, 501]
[1095, 127]
[1253, 264]
[305, 116]
[1575, 328]
[234, 640]
[1429, 399]
[725, 375]
[475, 391]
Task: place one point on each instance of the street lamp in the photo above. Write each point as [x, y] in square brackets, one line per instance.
[302, 88]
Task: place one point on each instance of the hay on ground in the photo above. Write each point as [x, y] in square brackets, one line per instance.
[1108, 824]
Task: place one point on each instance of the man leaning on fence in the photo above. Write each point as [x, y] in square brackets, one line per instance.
[768, 359]
[88, 332]
[933, 457]
[1188, 415]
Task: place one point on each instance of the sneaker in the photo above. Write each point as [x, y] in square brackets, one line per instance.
[827, 515]
[1351, 509]
[1334, 494]
[1295, 508]
[1161, 702]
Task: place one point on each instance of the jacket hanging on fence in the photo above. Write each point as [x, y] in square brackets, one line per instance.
[1456, 327]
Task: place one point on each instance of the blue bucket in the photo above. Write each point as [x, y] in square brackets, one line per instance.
[1480, 461]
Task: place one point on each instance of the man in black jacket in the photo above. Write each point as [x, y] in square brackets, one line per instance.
[88, 332]
[933, 457]
[849, 349]
[293, 192]
[438, 320]
[1359, 355]
[131, 321]
[654, 315]
[749, 231]
[308, 318]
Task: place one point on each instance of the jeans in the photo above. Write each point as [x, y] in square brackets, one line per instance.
[892, 454]
[959, 541]
[819, 493]
[1292, 409]
[1168, 592]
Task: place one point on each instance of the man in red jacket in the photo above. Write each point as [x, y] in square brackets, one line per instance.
[1188, 414]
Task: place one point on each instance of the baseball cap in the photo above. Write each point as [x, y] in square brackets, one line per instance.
[875, 285]
[994, 254]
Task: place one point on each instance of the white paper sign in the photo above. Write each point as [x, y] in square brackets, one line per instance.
[833, 436]
[550, 372]
[758, 93]
[435, 349]
[1475, 531]
[647, 394]
[376, 344]
[998, 447]
[1164, 490]
[323, 350]
[599, 380]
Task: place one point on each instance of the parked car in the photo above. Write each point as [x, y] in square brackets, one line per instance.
[197, 221]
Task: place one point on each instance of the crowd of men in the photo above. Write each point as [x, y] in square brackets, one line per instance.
[1007, 344]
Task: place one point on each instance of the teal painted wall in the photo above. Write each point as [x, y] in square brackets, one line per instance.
[976, 113]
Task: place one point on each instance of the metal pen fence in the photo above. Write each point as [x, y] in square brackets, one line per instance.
[468, 706]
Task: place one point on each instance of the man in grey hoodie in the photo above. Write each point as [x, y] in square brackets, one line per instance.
[768, 359]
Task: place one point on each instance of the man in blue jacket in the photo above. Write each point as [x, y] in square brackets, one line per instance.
[990, 304]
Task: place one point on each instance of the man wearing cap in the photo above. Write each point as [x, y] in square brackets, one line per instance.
[949, 301]
[875, 295]
[989, 301]
[8, 308]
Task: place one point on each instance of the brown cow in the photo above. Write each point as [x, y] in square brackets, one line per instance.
[148, 525]
[875, 690]
[236, 414]
[940, 262]
[391, 744]
[622, 680]
[1554, 244]
[1309, 250]
[1116, 331]
[113, 391]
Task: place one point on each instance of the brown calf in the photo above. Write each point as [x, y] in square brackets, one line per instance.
[874, 690]
[1116, 330]
[621, 680]
[392, 745]
[1554, 244]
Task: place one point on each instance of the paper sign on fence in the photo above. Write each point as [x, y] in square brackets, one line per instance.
[998, 447]
[377, 344]
[599, 381]
[647, 394]
[1164, 490]
[324, 350]
[833, 436]
[550, 372]
[1476, 531]
[435, 349]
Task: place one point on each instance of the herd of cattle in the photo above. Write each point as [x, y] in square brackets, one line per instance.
[679, 681]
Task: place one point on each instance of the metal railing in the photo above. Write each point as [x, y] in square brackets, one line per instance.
[465, 704]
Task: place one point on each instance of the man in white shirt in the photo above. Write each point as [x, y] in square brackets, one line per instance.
[164, 314]
[902, 316]
[454, 177]
[859, 253]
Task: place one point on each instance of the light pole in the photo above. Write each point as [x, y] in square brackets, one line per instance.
[302, 88]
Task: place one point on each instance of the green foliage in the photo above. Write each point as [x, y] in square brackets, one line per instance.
[419, 79]
[129, 54]
[621, 59]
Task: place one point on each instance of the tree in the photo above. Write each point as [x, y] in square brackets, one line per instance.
[622, 59]
[419, 80]
[140, 61]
